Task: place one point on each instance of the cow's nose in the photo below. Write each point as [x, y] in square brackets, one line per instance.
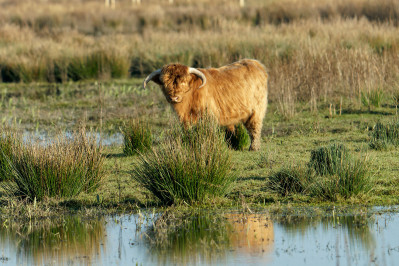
[175, 99]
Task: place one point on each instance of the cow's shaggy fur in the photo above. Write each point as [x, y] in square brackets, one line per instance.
[234, 93]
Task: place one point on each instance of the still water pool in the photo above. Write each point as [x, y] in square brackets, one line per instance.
[206, 239]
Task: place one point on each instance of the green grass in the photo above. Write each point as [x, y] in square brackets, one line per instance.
[290, 180]
[372, 98]
[384, 134]
[350, 180]
[239, 139]
[191, 166]
[328, 159]
[8, 140]
[137, 137]
[63, 168]
[107, 106]
[331, 174]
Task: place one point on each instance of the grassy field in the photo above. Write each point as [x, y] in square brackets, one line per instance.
[286, 143]
[333, 68]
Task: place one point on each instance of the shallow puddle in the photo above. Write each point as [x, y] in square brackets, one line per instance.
[203, 239]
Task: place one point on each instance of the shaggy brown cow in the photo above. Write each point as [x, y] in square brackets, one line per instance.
[234, 93]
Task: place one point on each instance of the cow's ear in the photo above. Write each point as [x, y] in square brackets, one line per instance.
[195, 81]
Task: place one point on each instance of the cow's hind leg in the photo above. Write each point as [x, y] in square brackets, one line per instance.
[254, 127]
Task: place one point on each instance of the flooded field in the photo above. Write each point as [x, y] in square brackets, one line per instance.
[209, 238]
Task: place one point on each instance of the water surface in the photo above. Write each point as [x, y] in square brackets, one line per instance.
[204, 239]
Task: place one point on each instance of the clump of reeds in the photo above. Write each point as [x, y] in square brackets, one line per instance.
[351, 180]
[372, 98]
[384, 134]
[290, 180]
[239, 139]
[137, 137]
[340, 174]
[328, 159]
[378, 145]
[192, 165]
[63, 167]
[332, 173]
[8, 140]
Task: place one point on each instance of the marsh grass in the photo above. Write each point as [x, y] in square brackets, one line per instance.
[96, 64]
[331, 174]
[8, 139]
[384, 134]
[192, 165]
[290, 180]
[340, 173]
[351, 179]
[372, 98]
[378, 145]
[137, 137]
[328, 159]
[62, 168]
[59, 44]
[239, 139]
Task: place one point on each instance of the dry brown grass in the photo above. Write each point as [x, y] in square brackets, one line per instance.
[314, 51]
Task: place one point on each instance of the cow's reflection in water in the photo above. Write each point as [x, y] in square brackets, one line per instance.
[251, 234]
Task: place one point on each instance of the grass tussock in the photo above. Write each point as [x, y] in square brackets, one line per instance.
[193, 165]
[372, 98]
[331, 174]
[62, 168]
[328, 160]
[350, 179]
[137, 137]
[8, 140]
[384, 134]
[290, 180]
[239, 139]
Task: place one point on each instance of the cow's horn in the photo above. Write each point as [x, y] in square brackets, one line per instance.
[151, 76]
[199, 74]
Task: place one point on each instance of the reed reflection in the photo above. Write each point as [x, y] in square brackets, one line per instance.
[209, 237]
[65, 241]
[356, 228]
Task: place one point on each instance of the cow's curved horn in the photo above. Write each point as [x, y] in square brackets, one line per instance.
[199, 74]
[151, 76]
